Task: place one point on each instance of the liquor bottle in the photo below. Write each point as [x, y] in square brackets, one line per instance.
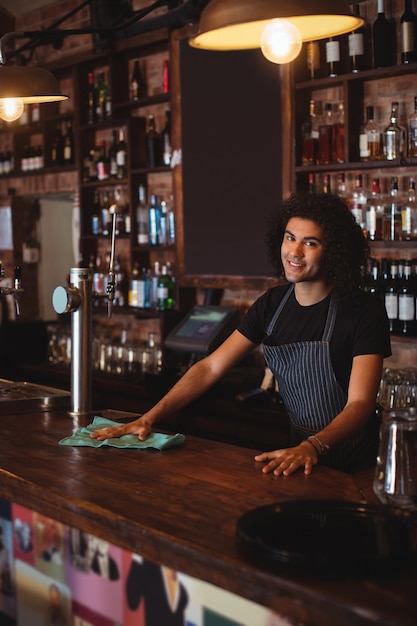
[393, 136]
[392, 217]
[121, 155]
[165, 76]
[142, 218]
[95, 216]
[57, 151]
[101, 103]
[356, 46]
[311, 183]
[359, 202]
[313, 59]
[113, 155]
[370, 138]
[165, 294]
[325, 139]
[36, 114]
[412, 131]
[326, 184]
[373, 280]
[382, 38]
[309, 132]
[144, 289]
[137, 85]
[409, 213]
[375, 212]
[103, 165]
[132, 298]
[152, 143]
[121, 287]
[68, 153]
[333, 56]
[92, 104]
[341, 187]
[406, 302]
[154, 221]
[408, 23]
[166, 140]
[338, 152]
[391, 297]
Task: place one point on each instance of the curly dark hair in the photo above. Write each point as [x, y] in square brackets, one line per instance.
[346, 255]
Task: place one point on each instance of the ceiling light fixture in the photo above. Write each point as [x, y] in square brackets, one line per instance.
[247, 24]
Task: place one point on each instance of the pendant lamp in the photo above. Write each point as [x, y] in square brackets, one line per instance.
[272, 24]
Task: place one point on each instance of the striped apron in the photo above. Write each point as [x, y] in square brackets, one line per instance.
[312, 395]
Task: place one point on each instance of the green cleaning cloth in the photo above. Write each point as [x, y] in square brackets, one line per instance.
[81, 437]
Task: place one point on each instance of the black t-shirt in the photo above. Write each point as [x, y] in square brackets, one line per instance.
[361, 327]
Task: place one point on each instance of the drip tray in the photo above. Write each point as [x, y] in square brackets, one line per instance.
[22, 397]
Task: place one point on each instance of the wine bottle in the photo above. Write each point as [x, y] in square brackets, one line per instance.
[356, 46]
[412, 131]
[309, 132]
[393, 137]
[408, 24]
[313, 58]
[68, 150]
[152, 143]
[333, 56]
[391, 297]
[406, 302]
[113, 155]
[92, 104]
[166, 140]
[142, 218]
[121, 156]
[339, 135]
[370, 138]
[382, 38]
[325, 138]
[137, 85]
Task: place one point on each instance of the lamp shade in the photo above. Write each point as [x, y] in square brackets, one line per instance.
[29, 84]
[238, 24]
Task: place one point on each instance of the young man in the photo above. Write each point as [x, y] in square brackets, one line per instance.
[324, 340]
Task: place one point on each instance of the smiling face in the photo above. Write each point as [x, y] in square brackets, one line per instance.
[302, 251]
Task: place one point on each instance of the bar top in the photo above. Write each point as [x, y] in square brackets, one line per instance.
[179, 507]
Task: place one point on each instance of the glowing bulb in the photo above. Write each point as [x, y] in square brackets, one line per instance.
[11, 109]
[281, 41]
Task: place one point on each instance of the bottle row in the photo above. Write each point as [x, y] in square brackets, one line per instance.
[155, 219]
[121, 357]
[152, 289]
[106, 203]
[373, 45]
[99, 94]
[104, 162]
[395, 282]
[384, 213]
[146, 288]
[323, 135]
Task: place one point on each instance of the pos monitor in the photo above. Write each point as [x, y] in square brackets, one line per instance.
[203, 329]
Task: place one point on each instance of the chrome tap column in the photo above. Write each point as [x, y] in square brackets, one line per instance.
[77, 299]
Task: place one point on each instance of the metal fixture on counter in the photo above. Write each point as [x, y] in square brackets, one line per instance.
[77, 299]
[14, 291]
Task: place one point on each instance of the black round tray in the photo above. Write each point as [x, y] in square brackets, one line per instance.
[329, 536]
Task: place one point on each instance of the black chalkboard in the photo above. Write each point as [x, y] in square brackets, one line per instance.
[231, 151]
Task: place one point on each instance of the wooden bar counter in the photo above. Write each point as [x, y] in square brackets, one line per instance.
[179, 507]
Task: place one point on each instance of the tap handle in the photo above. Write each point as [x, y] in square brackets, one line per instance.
[17, 276]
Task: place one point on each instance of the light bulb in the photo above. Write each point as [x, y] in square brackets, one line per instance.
[281, 41]
[11, 109]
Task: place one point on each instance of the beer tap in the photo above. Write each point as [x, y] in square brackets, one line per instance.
[14, 291]
[77, 299]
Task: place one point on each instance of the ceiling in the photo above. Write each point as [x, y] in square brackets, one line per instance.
[21, 7]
